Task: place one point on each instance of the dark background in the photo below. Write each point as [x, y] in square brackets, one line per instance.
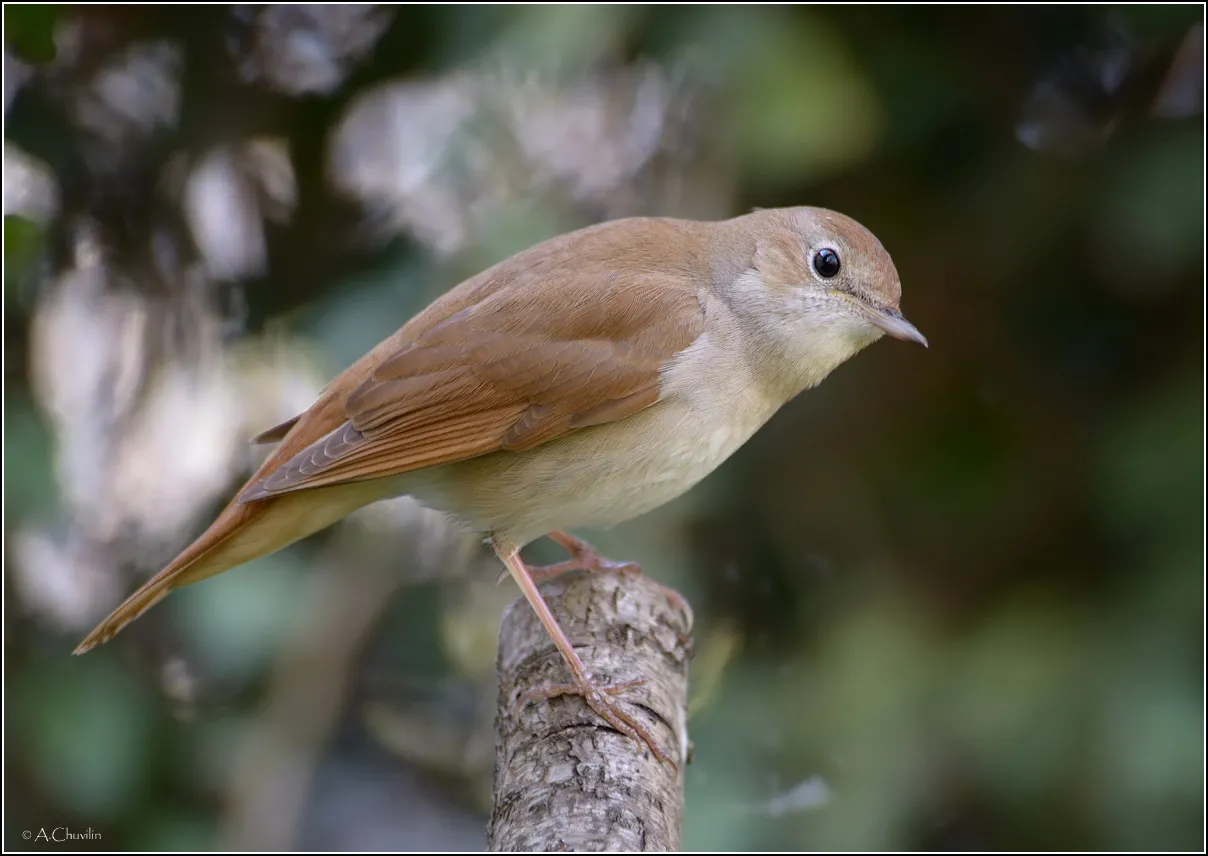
[952, 598]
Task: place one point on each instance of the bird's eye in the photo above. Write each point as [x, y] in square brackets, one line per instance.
[826, 262]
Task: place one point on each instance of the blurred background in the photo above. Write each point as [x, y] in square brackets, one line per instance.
[951, 599]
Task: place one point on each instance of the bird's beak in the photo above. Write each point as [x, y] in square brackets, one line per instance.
[892, 322]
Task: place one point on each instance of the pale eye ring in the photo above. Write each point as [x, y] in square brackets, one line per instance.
[826, 262]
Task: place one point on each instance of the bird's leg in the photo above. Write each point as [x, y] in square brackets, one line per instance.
[598, 698]
[585, 557]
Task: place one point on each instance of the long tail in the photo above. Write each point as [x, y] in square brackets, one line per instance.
[190, 566]
[155, 590]
[244, 531]
[248, 530]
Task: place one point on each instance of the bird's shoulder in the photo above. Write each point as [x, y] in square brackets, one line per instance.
[571, 333]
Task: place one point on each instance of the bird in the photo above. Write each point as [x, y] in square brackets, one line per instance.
[579, 383]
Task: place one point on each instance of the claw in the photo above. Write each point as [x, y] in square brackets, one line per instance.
[585, 557]
[598, 699]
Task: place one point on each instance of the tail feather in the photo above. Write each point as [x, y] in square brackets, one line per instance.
[244, 531]
[186, 568]
[146, 597]
[247, 529]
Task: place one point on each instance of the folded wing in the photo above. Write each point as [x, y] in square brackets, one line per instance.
[508, 373]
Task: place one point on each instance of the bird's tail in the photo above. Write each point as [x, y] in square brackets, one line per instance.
[151, 593]
[201, 559]
[244, 531]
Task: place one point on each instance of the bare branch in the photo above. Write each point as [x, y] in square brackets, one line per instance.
[563, 779]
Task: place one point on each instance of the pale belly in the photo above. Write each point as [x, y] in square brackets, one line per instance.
[596, 477]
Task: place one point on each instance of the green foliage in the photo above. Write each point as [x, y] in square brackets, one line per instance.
[28, 480]
[29, 30]
[88, 729]
[23, 243]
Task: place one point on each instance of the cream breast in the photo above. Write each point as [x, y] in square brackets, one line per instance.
[597, 477]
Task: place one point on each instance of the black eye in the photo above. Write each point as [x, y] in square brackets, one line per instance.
[826, 262]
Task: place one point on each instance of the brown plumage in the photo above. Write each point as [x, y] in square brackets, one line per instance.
[485, 367]
[582, 381]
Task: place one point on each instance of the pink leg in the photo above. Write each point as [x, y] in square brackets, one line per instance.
[585, 557]
[598, 698]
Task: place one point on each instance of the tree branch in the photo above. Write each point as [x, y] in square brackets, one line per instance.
[564, 780]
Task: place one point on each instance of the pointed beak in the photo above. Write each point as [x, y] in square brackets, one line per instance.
[892, 322]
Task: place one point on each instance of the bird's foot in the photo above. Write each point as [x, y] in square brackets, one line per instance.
[599, 699]
[585, 557]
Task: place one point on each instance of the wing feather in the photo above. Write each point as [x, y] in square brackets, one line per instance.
[507, 373]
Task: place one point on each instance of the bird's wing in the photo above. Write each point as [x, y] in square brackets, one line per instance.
[506, 373]
[277, 433]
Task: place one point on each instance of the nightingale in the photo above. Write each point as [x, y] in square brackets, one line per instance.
[581, 382]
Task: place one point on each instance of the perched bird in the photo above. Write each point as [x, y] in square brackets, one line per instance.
[581, 382]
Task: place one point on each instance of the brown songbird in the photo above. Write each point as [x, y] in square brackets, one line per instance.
[582, 382]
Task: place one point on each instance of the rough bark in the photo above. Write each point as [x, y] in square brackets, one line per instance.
[564, 779]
